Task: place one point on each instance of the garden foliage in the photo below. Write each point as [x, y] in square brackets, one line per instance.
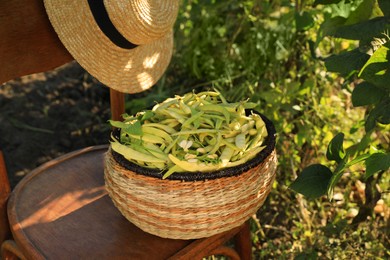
[367, 67]
[319, 70]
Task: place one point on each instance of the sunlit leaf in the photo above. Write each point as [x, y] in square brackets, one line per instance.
[377, 162]
[313, 181]
[377, 68]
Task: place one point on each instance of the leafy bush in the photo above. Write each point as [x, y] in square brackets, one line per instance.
[366, 68]
[330, 111]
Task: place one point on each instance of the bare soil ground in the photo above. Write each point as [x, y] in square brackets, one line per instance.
[48, 114]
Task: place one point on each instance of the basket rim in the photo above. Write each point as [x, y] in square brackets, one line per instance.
[270, 143]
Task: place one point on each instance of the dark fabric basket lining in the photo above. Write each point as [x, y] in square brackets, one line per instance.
[201, 176]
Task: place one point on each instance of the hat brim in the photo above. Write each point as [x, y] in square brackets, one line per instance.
[125, 70]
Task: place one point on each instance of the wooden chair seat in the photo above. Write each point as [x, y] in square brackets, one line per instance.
[61, 210]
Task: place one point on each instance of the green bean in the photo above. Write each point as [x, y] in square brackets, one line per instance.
[167, 103]
[183, 107]
[192, 167]
[131, 154]
[240, 141]
[166, 128]
[149, 138]
[229, 143]
[217, 109]
[217, 144]
[194, 132]
[156, 151]
[146, 129]
[192, 119]
[226, 155]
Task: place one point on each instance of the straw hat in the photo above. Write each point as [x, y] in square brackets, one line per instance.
[127, 45]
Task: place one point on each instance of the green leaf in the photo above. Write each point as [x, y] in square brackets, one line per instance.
[362, 13]
[365, 31]
[377, 162]
[366, 94]
[379, 114]
[303, 21]
[385, 6]
[134, 128]
[377, 68]
[147, 115]
[117, 124]
[338, 173]
[335, 151]
[132, 154]
[346, 62]
[330, 25]
[326, 2]
[313, 181]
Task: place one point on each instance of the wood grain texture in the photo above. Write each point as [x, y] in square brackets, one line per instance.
[61, 210]
[5, 190]
[11, 251]
[204, 247]
[243, 243]
[117, 101]
[28, 43]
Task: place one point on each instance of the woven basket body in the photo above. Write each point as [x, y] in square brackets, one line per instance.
[191, 205]
[188, 209]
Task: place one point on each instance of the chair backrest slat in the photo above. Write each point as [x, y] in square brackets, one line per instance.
[29, 44]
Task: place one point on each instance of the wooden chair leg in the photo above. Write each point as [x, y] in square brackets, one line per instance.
[10, 251]
[5, 190]
[216, 246]
[242, 242]
[226, 251]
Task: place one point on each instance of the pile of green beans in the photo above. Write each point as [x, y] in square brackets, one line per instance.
[194, 133]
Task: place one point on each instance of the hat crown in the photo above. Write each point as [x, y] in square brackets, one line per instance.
[142, 21]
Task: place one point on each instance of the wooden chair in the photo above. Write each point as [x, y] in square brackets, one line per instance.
[61, 209]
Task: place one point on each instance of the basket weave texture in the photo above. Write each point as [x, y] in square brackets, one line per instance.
[180, 209]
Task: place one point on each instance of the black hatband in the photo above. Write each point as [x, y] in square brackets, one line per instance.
[102, 19]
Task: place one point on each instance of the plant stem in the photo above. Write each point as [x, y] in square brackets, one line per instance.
[372, 196]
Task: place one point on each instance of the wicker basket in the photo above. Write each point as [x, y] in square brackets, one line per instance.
[191, 205]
